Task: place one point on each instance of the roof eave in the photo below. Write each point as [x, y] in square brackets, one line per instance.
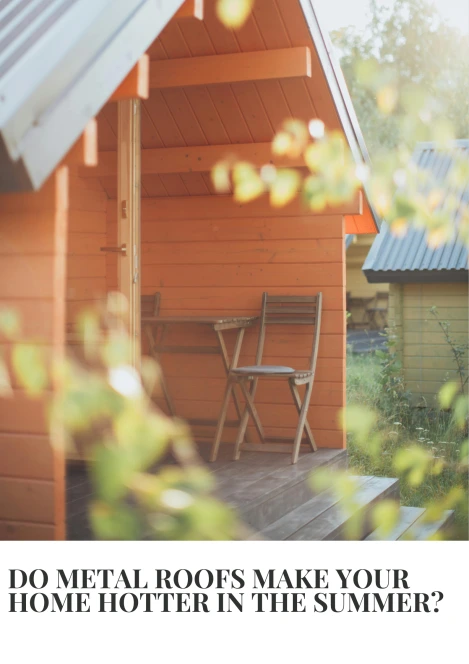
[339, 92]
[416, 276]
[47, 142]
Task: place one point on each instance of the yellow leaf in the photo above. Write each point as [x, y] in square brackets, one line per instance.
[281, 145]
[234, 13]
[221, 177]
[285, 187]
[247, 182]
[435, 198]
[438, 236]
[387, 99]
[399, 227]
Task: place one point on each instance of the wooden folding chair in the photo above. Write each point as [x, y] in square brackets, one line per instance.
[150, 306]
[276, 310]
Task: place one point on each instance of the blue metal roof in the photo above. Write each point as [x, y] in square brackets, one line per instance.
[409, 258]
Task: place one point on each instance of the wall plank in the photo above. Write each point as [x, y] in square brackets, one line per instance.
[33, 240]
[220, 261]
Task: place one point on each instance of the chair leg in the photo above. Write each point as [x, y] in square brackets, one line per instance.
[244, 422]
[301, 422]
[240, 435]
[252, 411]
[297, 400]
[221, 421]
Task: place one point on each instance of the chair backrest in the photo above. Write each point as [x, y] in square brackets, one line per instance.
[291, 310]
[150, 304]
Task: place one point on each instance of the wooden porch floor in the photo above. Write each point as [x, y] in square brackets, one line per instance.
[275, 500]
[262, 487]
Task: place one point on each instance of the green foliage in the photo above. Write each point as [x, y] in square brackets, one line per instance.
[29, 365]
[148, 480]
[407, 59]
[426, 448]
[459, 351]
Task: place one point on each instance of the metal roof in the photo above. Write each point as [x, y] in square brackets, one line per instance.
[60, 61]
[349, 241]
[409, 258]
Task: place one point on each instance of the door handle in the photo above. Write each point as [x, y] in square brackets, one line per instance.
[116, 250]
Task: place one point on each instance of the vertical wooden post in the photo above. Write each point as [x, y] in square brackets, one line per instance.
[128, 214]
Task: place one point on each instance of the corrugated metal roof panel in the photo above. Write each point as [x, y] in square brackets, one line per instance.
[391, 256]
[60, 61]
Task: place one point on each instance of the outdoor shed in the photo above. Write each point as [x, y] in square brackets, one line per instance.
[420, 278]
[361, 294]
[72, 185]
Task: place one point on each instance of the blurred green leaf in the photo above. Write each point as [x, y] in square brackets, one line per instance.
[10, 325]
[111, 472]
[447, 394]
[285, 187]
[385, 516]
[30, 368]
[119, 522]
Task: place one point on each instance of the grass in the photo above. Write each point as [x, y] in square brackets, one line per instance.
[400, 426]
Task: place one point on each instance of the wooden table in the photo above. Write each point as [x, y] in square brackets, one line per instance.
[219, 324]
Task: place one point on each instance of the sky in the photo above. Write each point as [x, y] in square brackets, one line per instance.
[339, 13]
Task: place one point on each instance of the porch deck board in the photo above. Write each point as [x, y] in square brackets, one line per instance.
[262, 487]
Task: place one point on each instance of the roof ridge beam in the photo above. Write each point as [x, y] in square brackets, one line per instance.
[231, 68]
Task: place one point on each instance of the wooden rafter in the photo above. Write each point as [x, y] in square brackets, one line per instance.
[231, 68]
[191, 9]
[85, 151]
[216, 207]
[136, 84]
[193, 159]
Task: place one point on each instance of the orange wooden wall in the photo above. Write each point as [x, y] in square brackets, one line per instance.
[86, 264]
[33, 230]
[207, 255]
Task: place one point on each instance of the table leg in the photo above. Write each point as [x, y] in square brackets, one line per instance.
[231, 365]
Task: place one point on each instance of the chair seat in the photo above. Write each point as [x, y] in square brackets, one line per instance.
[263, 370]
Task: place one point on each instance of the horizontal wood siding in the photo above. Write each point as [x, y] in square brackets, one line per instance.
[221, 264]
[86, 264]
[33, 234]
[427, 358]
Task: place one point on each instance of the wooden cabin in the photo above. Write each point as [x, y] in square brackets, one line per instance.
[420, 278]
[363, 297]
[162, 123]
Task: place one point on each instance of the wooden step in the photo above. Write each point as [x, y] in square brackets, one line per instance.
[323, 517]
[422, 530]
[263, 488]
[412, 526]
[407, 516]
